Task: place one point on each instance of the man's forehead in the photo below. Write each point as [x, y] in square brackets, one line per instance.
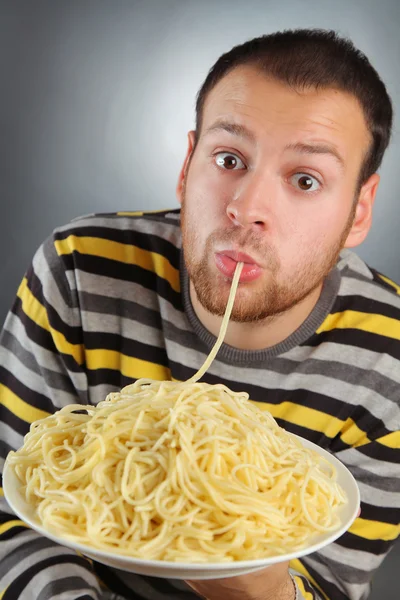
[247, 98]
[248, 85]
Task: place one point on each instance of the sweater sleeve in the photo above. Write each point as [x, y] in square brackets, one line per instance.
[345, 569]
[41, 369]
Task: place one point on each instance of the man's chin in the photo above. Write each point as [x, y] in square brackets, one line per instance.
[242, 312]
[214, 298]
[216, 309]
[212, 290]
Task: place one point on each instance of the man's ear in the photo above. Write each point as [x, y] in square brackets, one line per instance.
[363, 213]
[185, 166]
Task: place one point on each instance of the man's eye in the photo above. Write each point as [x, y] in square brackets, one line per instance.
[305, 182]
[229, 161]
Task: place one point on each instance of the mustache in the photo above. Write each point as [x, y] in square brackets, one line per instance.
[248, 241]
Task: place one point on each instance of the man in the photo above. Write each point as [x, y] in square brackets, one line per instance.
[281, 173]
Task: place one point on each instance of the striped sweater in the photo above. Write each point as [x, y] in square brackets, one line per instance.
[106, 301]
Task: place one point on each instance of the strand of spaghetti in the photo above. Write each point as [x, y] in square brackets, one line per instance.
[224, 326]
[180, 471]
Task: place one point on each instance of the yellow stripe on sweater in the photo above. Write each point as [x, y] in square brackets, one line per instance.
[351, 319]
[125, 253]
[390, 282]
[304, 416]
[374, 530]
[318, 421]
[129, 213]
[18, 407]
[391, 440]
[141, 213]
[129, 366]
[298, 566]
[300, 584]
[352, 435]
[10, 524]
[37, 313]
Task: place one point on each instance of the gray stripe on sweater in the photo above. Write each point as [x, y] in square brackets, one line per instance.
[57, 380]
[56, 590]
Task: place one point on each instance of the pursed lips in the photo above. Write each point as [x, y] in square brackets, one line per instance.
[239, 256]
[226, 261]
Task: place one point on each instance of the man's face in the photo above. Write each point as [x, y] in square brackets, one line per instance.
[271, 182]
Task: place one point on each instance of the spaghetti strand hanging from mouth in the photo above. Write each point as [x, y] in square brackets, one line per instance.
[177, 471]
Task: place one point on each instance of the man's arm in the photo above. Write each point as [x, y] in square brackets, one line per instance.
[41, 370]
[272, 583]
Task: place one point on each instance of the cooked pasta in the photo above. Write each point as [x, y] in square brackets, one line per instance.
[176, 471]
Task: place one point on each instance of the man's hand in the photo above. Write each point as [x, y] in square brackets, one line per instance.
[272, 583]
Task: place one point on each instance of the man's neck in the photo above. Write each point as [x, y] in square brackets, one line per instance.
[261, 334]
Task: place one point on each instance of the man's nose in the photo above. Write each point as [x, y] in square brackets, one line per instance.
[251, 205]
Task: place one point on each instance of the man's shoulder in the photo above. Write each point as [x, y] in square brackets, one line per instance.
[160, 222]
[359, 280]
[155, 231]
[171, 215]
[113, 249]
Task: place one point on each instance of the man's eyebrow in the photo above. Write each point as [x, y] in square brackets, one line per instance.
[317, 148]
[232, 128]
[299, 147]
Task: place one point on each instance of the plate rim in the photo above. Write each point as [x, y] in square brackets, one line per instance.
[97, 554]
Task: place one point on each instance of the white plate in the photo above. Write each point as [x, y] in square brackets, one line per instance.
[174, 570]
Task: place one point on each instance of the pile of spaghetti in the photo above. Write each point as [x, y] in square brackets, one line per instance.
[177, 472]
[174, 471]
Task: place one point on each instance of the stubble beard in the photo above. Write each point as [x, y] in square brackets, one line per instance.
[261, 300]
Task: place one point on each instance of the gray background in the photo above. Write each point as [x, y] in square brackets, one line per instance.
[97, 97]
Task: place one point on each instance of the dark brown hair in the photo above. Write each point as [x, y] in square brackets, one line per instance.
[314, 58]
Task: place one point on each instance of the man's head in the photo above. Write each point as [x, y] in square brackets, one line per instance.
[290, 131]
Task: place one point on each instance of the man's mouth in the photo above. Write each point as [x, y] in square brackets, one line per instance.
[226, 261]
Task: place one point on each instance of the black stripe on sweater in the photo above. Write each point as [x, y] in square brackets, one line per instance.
[355, 542]
[307, 585]
[8, 417]
[378, 344]
[113, 269]
[380, 452]
[34, 399]
[113, 583]
[384, 515]
[12, 532]
[42, 337]
[23, 579]
[145, 241]
[73, 334]
[369, 306]
[109, 341]
[330, 589]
